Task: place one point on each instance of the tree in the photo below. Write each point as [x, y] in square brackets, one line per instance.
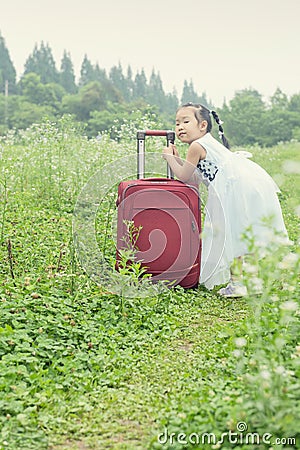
[8, 106]
[128, 96]
[66, 75]
[7, 70]
[87, 73]
[100, 74]
[156, 95]
[190, 95]
[279, 99]
[29, 113]
[171, 104]
[294, 109]
[118, 80]
[31, 87]
[140, 85]
[276, 117]
[35, 92]
[22, 114]
[244, 118]
[41, 62]
[53, 94]
[134, 116]
[294, 103]
[101, 121]
[274, 127]
[91, 97]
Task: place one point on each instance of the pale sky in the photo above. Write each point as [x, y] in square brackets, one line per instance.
[221, 45]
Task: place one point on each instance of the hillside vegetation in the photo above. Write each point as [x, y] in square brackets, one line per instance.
[103, 100]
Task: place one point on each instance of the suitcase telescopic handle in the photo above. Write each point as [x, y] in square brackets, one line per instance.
[141, 137]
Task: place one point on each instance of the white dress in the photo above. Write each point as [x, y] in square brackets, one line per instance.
[241, 196]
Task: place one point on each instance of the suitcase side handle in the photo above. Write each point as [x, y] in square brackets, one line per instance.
[141, 137]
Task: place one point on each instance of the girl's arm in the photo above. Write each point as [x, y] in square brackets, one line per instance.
[184, 170]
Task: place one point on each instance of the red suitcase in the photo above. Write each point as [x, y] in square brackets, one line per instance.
[168, 212]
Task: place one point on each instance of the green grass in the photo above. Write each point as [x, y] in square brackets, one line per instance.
[84, 369]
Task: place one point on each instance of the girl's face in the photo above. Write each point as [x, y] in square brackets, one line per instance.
[187, 127]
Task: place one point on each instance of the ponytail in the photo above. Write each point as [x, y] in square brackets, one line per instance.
[221, 131]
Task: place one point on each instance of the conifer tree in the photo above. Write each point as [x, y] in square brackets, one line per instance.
[279, 99]
[124, 84]
[100, 74]
[7, 70]
[117, 78]
[87, 72]
[67, 76]
[171, 103]
[129, 85]
[140, 85]
[188, 93]
[156, 93]
[42, 63]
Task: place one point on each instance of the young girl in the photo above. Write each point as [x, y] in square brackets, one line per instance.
[240, 196]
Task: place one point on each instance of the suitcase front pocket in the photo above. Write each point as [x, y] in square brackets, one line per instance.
[169, 238]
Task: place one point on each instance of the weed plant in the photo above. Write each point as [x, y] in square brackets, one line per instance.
[82, 367]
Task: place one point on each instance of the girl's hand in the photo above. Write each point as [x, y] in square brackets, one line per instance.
[171, 150]
[175, 151]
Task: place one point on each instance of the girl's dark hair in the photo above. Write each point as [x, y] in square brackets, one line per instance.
[203, 113]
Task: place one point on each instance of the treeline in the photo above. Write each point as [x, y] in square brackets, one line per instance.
[99, 99]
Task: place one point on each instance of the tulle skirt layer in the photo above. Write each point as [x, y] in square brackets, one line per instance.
[242, 200]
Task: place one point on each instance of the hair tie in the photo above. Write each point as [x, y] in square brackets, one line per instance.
[216, 117]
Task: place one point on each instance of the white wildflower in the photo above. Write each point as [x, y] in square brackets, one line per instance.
[265, 374]
[280, 370]
[240, 342]
[297, 352]
[250, 268]
[257, 283]
[290, 305]
[288, 261]
[288, 287]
